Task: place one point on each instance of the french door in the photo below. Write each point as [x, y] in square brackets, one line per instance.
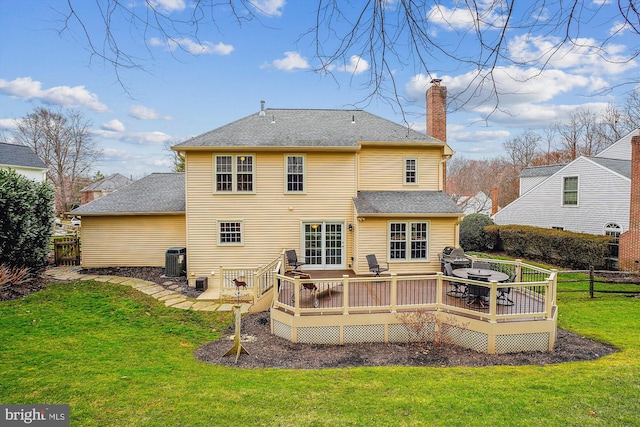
[323, 245]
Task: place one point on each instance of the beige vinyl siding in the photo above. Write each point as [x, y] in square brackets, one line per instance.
[271, 219]
[382, 168]
[373, 235]
[136, 241]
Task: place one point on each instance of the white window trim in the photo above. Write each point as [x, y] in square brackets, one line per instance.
[404, 171]
[286, 173]
[562, 203]
[407, 257]
[218, 233]
[234, 173]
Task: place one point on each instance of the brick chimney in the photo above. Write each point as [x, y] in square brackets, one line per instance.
[629, 251]
[437, 119]
[494, 200]
[437, 111]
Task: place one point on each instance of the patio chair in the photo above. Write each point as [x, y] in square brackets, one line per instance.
[374, 266]
[478, 295]
[292, 259]
[482, 265]
[503, 293]
[459, 289]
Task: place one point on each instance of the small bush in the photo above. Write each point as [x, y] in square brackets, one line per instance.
[473, 236]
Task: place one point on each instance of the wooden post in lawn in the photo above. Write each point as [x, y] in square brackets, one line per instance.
[237, 346]
[591, 281]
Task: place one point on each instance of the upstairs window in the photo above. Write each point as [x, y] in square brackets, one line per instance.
[234, 173]
[411, 171]
[570, 191]
[295, 174]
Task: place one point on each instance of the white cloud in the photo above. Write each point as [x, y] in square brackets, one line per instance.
[291, 62]
[194, 48]
[141, 112]
[356, 65]
[114, 125]
[461, 18]
[64, 96]
[583, 55]
[154, 137]
[168, 5]
[9, 124]
[268, 7]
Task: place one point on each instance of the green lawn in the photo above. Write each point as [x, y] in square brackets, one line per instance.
[120, 358]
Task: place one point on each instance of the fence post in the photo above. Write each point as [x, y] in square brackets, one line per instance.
[393, 298]
[591, 281]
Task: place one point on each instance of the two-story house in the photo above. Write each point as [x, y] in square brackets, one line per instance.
[336, 185]
[23, 160]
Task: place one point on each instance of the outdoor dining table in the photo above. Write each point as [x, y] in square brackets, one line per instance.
[480, 274]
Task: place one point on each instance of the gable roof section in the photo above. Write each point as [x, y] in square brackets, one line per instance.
[306, 128]
[19, 155]
[384, 203]
[538, 171]
[621, 167]
[110, 183]
[158, 193]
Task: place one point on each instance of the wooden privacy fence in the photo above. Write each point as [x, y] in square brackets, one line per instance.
[67, 251]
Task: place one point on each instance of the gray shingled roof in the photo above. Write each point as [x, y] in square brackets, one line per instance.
[306, 128]
[110, 183]
[19, 155]
[405, 202]
[547, 170]
[623, 167]
[155, 193]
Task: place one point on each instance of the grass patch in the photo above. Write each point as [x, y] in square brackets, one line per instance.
[119, 357]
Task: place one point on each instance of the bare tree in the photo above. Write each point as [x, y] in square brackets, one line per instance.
[63, 141]
[632, 110]
[523, 148]
[380, 32]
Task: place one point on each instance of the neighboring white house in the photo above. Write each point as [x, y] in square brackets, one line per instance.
[479, 203]
[23, 160]
[589, 195]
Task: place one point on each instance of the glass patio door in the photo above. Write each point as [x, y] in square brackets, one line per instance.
[324, 245]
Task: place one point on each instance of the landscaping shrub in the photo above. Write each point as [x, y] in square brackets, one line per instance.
[26, 220]
[473, 236]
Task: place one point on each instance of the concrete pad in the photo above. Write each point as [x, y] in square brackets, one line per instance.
[204, 306]
[210, 295]
[226, 307]
[183, 305]
[173, 301]
[115, 279]
[104, 278]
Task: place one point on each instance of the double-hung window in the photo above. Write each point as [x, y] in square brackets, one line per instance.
[230, 233]
[411, 171]
[408, 240]
[234, 173]
[295, 174]
[570, 191]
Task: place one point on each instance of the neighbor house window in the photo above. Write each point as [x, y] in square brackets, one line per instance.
[230, 233]
[234, 173]
[411, 171]
[408, 240]
[570, 191]
[613, 230]
[295, 174]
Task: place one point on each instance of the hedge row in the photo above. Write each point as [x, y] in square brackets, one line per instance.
[555, 247]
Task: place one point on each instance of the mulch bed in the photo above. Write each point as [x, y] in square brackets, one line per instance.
[268, 351]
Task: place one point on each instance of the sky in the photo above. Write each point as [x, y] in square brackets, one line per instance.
[190, 85]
